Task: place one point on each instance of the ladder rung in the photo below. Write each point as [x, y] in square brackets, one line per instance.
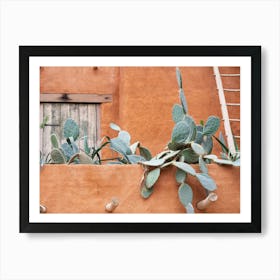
[228, 75]
[232, 120]
[232, 89]
[237, 137]
[233, 104]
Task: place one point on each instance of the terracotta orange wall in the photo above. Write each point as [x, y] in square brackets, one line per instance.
[147, 96]
[86, 189]
[142, 97]
[78, 79]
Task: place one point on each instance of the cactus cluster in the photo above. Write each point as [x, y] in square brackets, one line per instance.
[69, 152]
[127, 151]
[190, 143]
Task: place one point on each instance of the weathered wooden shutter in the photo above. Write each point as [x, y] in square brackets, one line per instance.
[84, 109]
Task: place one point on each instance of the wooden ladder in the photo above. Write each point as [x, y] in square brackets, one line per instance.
[224, 107]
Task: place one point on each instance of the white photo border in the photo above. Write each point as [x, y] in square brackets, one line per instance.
[244, 62]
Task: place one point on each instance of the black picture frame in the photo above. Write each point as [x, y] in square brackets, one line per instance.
[254, 52]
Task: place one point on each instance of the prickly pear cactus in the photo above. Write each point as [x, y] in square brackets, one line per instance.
[180, 176]
[177, 113]
[57, 156]
[198, 149]
[211, 126]
[54, 141]
[206, 181]
[185, 194]
[190, 156]
[145, 192]
[180, 132]
[144, 152]
[152, 177]
[69, 150]
[190, 143]
[71, 129]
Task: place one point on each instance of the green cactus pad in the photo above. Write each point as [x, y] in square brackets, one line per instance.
[179, 77]
[125, 137]
[211, 126]
[199, 137]
[170, 155]
[207, 144]
[57, 156]
[180, 132]
[71, 129]
[183, 101]
[152, 177]
[185, 194]
[161, 154]
[115, 127]
[190, 156]
[54, 141]
[166, 164]
[145, 192]
[180, 176]
[185, 167]
[144, 152]
[176, 146]
[153, 162]
[69, 150]
[197, 149]
[202, 165]
[120, 146]
[44, 122]
[135, 158]
[191, 124]
[206, 181]
[177, 113]
[190, 209]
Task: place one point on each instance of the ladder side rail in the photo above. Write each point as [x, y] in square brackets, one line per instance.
[225, 115]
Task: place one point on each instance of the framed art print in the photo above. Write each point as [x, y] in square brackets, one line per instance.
[140, 138]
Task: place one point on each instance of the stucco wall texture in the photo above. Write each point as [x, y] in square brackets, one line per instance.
[143, 97]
